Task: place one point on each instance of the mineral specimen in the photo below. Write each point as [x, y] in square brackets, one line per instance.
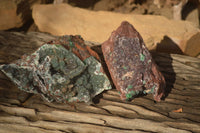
[62, 70]
[130, 64]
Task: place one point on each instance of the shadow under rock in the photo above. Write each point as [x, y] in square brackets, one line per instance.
[164, 62]
[97, 98]
[167, 45]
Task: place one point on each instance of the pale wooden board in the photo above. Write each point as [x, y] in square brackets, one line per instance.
[23, 112]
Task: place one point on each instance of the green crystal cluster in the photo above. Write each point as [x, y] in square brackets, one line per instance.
[57, 74]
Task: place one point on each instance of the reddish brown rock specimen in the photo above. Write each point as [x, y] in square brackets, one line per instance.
[130, 64]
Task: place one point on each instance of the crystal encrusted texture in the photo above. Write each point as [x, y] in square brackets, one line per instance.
[130, 64]
[62, 70]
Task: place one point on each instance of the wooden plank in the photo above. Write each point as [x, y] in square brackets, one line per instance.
[23, 112]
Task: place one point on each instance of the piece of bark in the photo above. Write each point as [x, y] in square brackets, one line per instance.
[130, 64]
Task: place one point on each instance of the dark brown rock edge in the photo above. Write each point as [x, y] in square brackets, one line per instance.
[130, 64]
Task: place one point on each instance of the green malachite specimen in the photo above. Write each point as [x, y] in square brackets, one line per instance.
[57, 74]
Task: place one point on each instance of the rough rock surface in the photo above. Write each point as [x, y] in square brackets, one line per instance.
[96, 26]
[57, 74]
[130, 64]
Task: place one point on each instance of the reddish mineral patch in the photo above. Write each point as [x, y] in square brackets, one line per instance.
[76, 44]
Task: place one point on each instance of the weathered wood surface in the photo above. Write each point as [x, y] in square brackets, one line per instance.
[23, 112]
